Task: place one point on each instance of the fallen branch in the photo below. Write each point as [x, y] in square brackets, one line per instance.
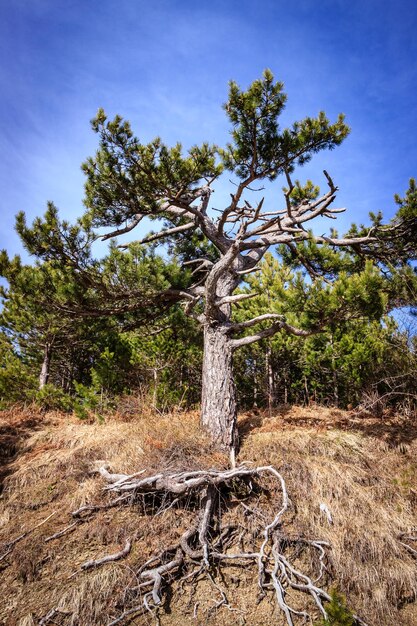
[63, 532]
[11, 544]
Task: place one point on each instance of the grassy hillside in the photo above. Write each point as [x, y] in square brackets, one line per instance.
[362, 468]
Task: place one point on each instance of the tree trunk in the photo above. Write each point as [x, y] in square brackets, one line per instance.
[219, 411]
[307, 396]
[334, 375]
[155, 387]
[270, 379]
[44, 375]
[255, 385]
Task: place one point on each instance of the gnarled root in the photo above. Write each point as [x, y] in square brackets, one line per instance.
[210, 543]
[109, 557]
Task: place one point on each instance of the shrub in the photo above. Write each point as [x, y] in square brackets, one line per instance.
[337, 612]
[51, 398]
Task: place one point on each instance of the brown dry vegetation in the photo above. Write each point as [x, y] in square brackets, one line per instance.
[362, 468]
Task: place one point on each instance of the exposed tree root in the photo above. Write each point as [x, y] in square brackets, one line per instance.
[9, 546]
[205, 547]
[64, 531]
[86, 510]
[109, 558]
[404, 540]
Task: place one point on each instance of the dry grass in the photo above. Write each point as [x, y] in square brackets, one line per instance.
[370, 489]
[363, 469]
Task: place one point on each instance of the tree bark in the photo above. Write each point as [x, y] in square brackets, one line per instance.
[285, 390]
[270, 379]
[155, 387]
[255, 385]
[219, 410]
[218, 402]
[44, 375]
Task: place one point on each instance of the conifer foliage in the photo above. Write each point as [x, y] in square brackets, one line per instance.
[211, 249]
[283, 308]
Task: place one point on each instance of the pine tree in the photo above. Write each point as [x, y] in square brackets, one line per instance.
[337, 612]
[128, 181]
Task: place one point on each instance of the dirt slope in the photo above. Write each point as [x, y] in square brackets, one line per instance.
[363, 469]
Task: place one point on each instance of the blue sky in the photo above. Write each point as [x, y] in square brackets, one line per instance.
[165, 66]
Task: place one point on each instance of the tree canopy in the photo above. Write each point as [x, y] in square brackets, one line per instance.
[211, 251]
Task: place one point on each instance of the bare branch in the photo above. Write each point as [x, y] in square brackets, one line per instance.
[346, 241]
[234, 204]
[189, 310]
[256, 212]
[236, 298]
[255, 268]
[309, 211]
[163, 233]
[266, 241]
[121, 231]
[269, 332]
[330, 181]
[256, 320]
[199, 260]
[180, 207]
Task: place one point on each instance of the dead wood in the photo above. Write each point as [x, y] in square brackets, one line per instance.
[211, 543]
[9, 546]
[208, 544]
[109, 558]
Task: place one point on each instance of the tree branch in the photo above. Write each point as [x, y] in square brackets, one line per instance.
[163, 233]
[217, 271]
[269, 332]
[256, 320]
[121, 231]
[236, 298]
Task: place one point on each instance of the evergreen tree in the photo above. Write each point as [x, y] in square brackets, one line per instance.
[167, 360]
[17, 381]
[337, 612]
[35, 331]
[60, 347]
[354, 342]
[128, 181]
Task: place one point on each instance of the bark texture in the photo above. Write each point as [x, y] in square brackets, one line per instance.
[44, 375]
[219, 409]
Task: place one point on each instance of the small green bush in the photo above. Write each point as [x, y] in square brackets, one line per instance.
[51, 398]
[17, 383]
[90, 402]
[337, 612]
